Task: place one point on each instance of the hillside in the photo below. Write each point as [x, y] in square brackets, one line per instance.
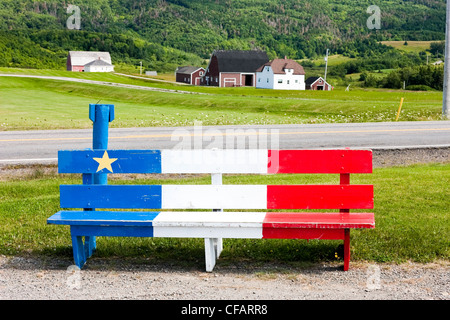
[166, 33]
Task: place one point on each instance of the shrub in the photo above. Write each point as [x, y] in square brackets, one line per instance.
[419, 87]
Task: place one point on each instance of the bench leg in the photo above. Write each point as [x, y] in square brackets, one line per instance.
[211, 253]
[89, 246]
[218, 245]
[79, 252]
[346, 249]
[216, 179]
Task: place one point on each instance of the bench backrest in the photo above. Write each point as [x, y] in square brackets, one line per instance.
[342, 196]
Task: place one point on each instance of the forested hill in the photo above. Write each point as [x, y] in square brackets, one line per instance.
[164, 33]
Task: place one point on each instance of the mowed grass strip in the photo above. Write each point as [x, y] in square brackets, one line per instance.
[28, 103]
[411, 212]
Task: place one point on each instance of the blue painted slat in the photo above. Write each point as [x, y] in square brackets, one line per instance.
[104, 218]
[110, 196]
[128, 161]
[112, 231]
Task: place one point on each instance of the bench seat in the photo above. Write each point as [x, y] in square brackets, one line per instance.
[210, 224]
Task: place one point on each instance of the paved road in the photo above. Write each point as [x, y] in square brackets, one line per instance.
[42, 146]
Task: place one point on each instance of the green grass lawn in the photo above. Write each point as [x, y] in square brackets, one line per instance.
[27, 103]
[411, 213]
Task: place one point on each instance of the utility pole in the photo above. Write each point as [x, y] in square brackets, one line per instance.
[326, 64]
[140, 70]
[446, 95]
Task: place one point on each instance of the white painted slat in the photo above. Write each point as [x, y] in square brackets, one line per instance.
[214, 196]
[207, 232]
[212, 219]
[209, 224]
[215, 161]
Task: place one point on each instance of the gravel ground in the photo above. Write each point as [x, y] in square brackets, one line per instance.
[402, 157]
[33, 278]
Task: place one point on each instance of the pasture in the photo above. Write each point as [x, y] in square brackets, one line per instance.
[33, 103]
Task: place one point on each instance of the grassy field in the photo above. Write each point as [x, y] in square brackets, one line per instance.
[412, 46]
[333, 60]
[411, 212]
[28, 103]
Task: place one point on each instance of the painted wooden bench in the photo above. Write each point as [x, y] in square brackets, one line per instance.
[94, 199]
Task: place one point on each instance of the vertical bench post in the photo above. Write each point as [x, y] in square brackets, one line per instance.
[100, 115]
[213, 246]
[345, 179]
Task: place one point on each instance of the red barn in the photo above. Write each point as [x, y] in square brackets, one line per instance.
[233, 68]
[189, 75]
[317, 83]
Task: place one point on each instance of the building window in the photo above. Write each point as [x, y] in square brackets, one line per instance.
[267, 80]
[202, 73]
[280, 81]
[296, 81]
[259, 79]
[287, 81]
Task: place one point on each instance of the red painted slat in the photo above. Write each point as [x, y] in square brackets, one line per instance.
[319, 220]
[320, 161]
[303, 233]
[319, 197]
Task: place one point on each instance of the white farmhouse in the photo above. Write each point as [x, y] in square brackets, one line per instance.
[281, 74]
[87, 61]
[98, 65]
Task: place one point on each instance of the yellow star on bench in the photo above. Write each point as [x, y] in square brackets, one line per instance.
[105, 162]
